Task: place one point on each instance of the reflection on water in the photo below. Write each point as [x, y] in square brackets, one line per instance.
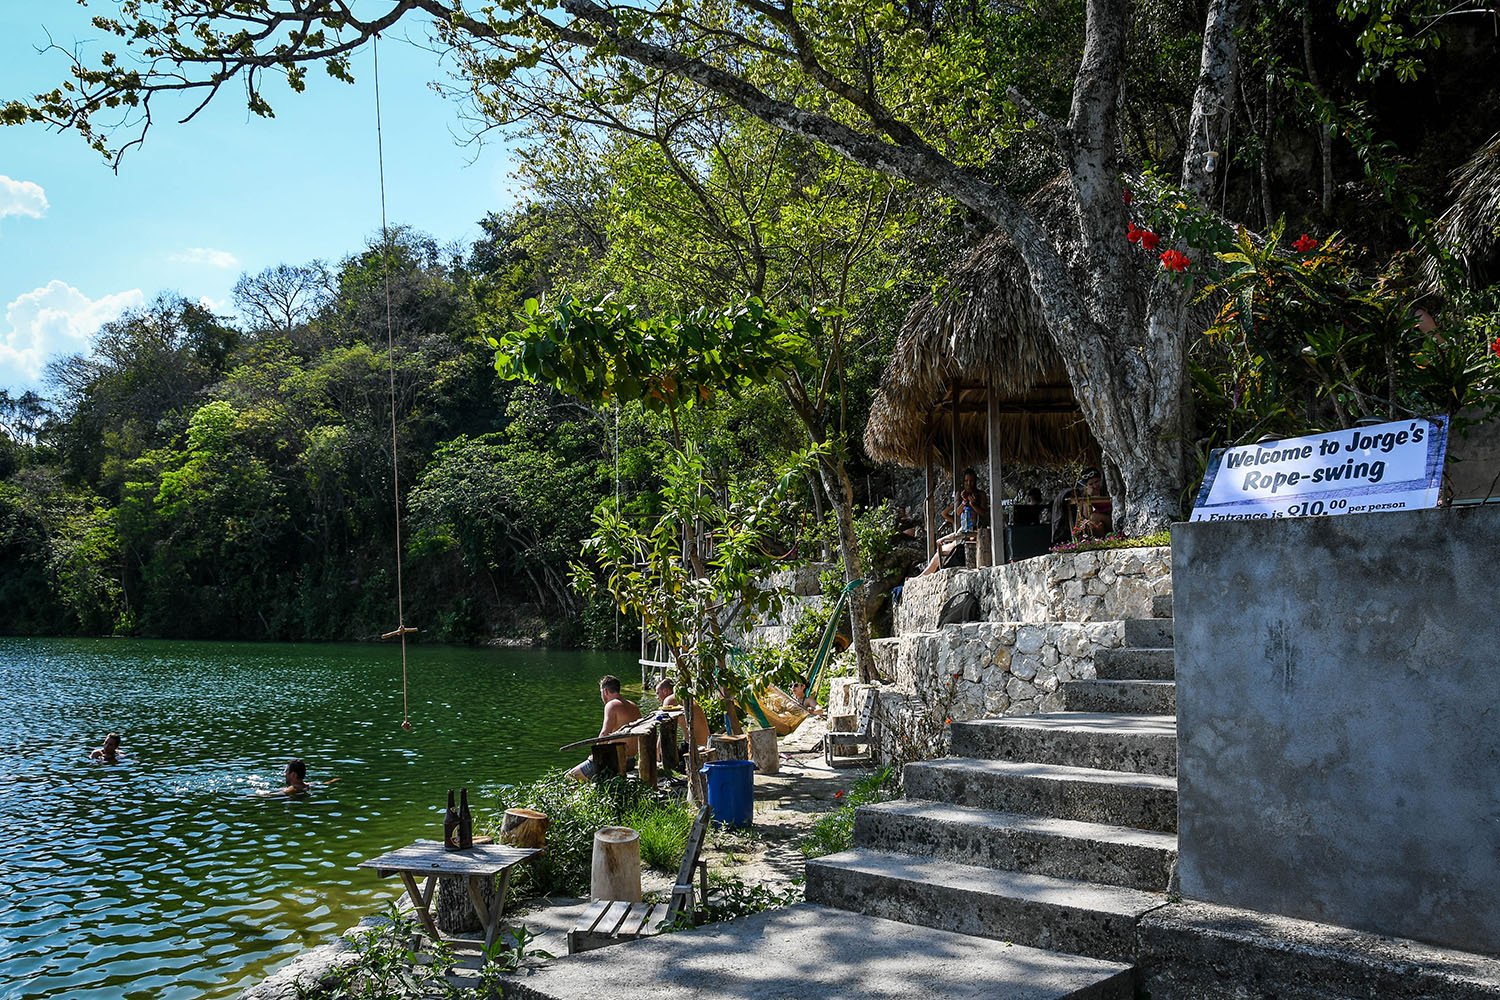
[166, 876]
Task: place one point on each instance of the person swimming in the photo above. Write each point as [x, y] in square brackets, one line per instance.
[109, 753]
[295, 777]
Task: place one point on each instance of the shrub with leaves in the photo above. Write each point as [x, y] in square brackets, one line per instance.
[834, 832]
[388, 966]
[1116, 542]
[576, 812]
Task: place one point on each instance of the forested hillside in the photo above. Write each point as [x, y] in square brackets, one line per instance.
[1298, 218]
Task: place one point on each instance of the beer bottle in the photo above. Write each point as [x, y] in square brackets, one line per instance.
[465, 821]
[450, 825]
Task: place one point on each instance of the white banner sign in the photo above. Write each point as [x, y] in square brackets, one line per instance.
[1395, 466]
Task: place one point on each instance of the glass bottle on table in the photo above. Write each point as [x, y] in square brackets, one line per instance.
[465, 821]
[450, 825]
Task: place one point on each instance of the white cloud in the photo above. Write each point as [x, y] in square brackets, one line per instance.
[22, 198]
[55, 319]
[206, 256]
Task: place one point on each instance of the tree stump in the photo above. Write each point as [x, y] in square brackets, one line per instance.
[616, 871]
[764, 751]
[730, 747]
[524, 828]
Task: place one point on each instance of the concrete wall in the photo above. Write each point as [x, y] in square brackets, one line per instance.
[1338, 693]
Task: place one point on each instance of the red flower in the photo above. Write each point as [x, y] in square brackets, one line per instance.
[1145, 237]
[839, 794]
[1496, 347]
[1305, 244]
[1126, 196]
[1174, 261]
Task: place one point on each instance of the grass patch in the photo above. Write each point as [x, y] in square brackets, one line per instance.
[664, 828]
[835, 832]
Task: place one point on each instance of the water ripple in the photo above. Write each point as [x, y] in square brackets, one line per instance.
[167, 876]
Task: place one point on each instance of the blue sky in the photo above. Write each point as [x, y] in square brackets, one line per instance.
[202, 203]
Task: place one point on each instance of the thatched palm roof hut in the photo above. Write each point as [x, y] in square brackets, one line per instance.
[1470, 222]
[975, 376]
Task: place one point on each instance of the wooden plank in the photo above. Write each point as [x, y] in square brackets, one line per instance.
[593, 915]
[636, 921]
[618, 911]
[929, 506]
[429, 857]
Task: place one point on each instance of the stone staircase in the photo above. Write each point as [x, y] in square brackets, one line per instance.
[1054, 831]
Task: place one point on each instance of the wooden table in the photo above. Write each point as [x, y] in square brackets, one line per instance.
[429, 859]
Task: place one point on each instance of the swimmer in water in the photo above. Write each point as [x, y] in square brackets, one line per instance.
[109, 753]
[296, 780]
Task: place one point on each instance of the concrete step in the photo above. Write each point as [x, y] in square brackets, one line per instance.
[1033, 910]
[1161, 606]
[1040, 845]
[1126, 663]
[1148, 633]
[1201, 951]
[1134, 696]
[1092, 795]
[818, 953]
[1112, 742]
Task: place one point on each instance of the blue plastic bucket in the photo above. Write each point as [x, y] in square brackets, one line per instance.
[731, 791]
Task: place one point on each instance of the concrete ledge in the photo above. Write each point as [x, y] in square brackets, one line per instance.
[816, 953]
[1200, 951]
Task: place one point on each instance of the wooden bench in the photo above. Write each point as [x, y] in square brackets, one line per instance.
[608, 922]
[835, 741]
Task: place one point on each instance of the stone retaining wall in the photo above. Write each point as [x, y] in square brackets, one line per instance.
[980, 670]
[1107, 585]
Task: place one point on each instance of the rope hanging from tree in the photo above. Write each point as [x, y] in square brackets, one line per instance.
[402, 630]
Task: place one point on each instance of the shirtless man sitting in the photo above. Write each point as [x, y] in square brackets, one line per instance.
[666, 693]
[617, 712]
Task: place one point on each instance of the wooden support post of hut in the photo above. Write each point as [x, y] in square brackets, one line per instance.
[998, 555]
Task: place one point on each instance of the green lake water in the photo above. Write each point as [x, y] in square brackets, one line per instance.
[166, 876]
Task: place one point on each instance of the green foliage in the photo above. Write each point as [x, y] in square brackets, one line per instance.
[1160, 538]
[577, 810]
[388, 965]
[663, 827]
[605, 351]
[834, 831]
[730, 897]
[1303, 339]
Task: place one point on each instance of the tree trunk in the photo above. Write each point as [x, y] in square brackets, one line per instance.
[764, 751]
[524, 828]
[730, 747]
[840, 492]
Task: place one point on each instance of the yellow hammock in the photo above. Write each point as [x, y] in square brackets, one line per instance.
[772, 707]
